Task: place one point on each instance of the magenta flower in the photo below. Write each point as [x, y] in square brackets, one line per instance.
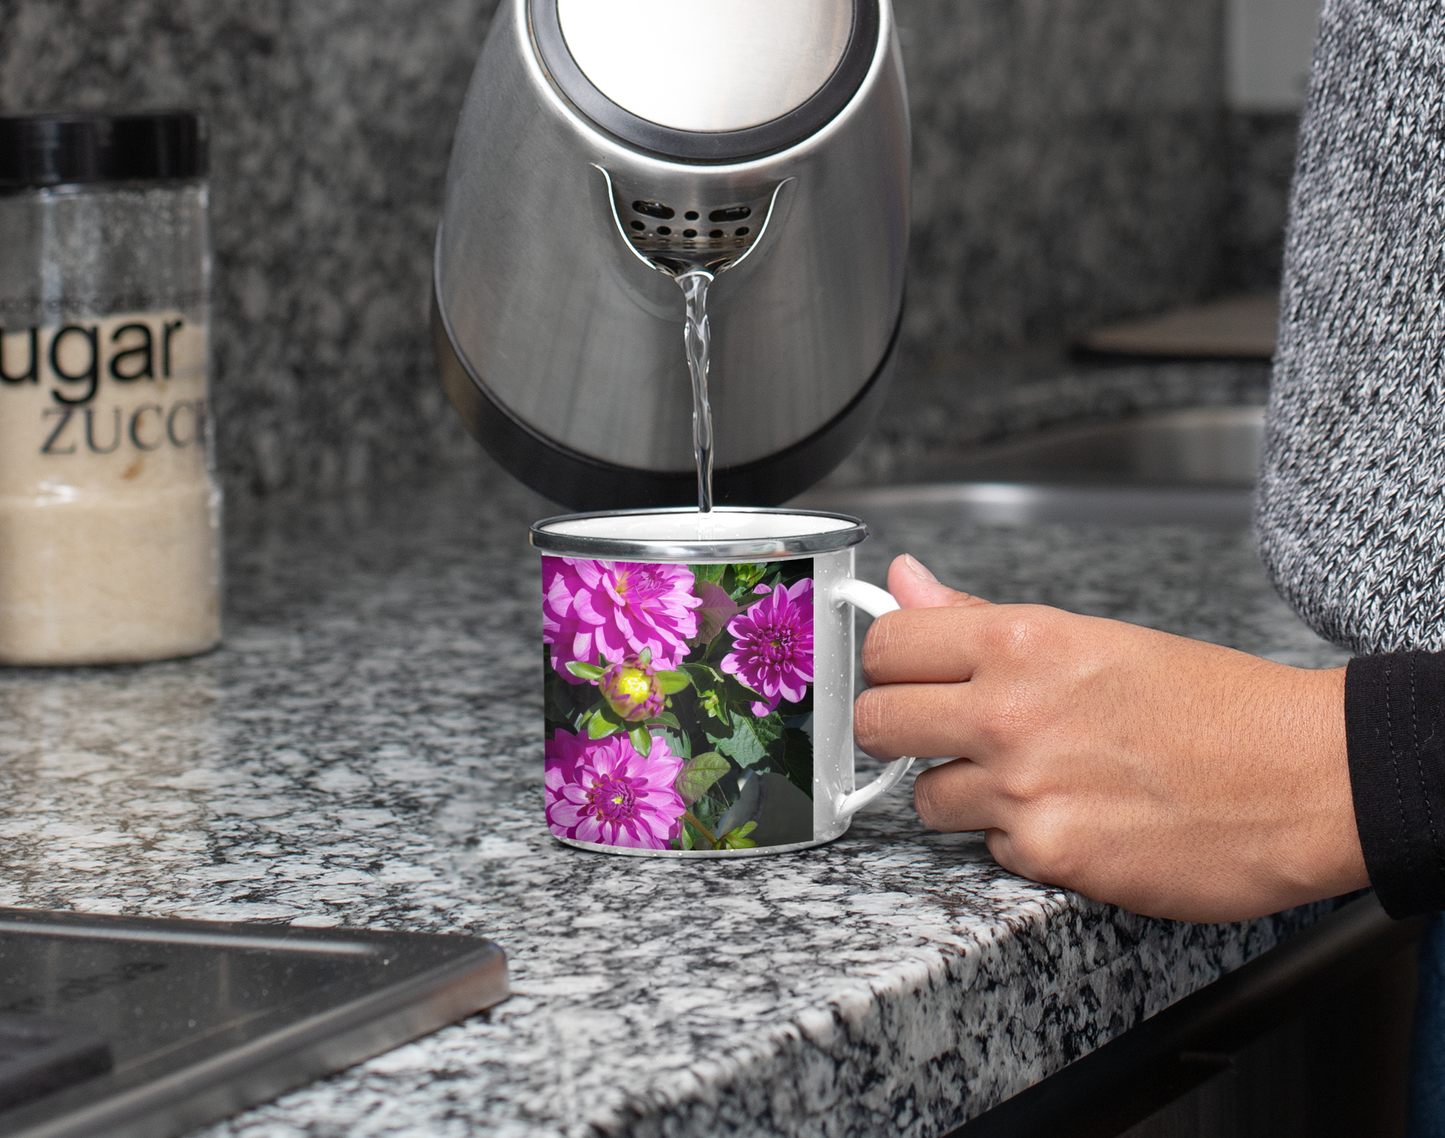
[602, 790]
[773, 649]
[610, 610]
[631, 689]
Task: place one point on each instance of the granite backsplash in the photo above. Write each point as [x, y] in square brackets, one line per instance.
[1072, 165]
[1260, 164]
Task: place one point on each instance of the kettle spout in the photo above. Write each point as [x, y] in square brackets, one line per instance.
[693, 236]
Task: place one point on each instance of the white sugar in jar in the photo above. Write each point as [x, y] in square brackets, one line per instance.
[109, 508]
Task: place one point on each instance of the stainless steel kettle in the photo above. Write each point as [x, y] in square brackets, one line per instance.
[766, 140]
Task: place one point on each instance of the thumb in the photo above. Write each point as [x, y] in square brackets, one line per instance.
[914, 587]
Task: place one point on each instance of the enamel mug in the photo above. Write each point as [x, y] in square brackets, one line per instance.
[698, 680]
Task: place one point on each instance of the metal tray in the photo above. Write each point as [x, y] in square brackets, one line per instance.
[203, 1019]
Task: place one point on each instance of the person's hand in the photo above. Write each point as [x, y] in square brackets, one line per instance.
[1172, 777]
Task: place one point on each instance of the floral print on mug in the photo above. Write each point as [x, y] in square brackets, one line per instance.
[679, 703]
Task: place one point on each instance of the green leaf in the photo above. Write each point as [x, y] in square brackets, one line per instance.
[715, 705]
[641, 739]
[602, 710]
[708, 574]
[742, 690]
[769, 728]
[743, 746]
[599, 728]
[702, 674]
[746, 576]
[699, 774]
[685, 839]
[586, 671]
[677, 741]
[603, 722]
[752, 741]
[665, 719]
[673, 682]
[738, 839]
[707, 812]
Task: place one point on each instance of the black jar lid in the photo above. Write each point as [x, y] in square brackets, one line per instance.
[63, 148]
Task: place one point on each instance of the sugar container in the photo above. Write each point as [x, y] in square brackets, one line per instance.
[109, 507]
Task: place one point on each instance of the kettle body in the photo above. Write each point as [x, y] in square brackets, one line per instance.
[583, 160]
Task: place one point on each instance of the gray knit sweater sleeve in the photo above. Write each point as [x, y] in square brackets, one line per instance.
[1351, 518]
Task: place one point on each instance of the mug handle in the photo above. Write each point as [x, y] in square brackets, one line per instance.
[875, 602]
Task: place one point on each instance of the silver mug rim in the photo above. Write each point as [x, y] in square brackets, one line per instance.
[726, 549]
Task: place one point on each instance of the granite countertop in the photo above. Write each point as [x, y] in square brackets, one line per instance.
[366, 750]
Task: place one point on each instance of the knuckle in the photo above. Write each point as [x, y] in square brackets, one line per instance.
[1046, 847]
[926, 801]
[1009, 632]
[1025, 783]
[870, 723]
[879, 646]
[1022, 632]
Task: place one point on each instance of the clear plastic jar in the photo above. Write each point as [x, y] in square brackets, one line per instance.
[109, 507]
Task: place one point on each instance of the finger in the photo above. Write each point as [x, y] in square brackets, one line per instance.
[926, 646]
[928, 721]
[956, 796]
[914, 587]
[1011, 850]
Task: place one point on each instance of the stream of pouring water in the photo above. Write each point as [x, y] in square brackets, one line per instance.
[694, 268]
[694, 286]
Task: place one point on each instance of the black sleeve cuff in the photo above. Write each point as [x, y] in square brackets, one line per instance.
[1395, 731]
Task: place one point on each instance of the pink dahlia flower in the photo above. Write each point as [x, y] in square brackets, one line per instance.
[612, 610]
[602, 790]
[773, 646]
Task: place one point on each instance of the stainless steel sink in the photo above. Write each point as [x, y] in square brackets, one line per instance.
[1199, 446]
[1190, 467]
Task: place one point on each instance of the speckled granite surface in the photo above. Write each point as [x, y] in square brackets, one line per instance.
[1069, 161]
[1261, 165]
[366, 749]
